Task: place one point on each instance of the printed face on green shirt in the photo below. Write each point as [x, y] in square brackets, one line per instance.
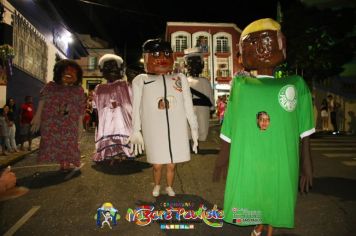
[263, 120]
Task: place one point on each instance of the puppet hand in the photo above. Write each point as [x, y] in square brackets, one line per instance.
[306, 178]
[35, 124]
[137, 144]
[7, 180]
[195, 140]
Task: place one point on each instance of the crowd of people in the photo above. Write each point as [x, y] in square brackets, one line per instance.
[15, 125]
[328, 112]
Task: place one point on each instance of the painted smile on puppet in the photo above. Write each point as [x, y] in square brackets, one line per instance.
[70, 76]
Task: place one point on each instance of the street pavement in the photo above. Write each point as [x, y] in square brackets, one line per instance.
[66, 203]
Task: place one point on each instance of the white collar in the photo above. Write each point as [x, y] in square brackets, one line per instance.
[264, 76]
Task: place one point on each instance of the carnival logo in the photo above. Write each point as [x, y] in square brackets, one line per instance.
[106, 214]
[145, 215]
[244, 216]
[287, 98]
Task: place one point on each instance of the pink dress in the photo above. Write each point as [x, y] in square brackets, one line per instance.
[114, 106]
[59, 123]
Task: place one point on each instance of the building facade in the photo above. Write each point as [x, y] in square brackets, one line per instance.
[219, 44]
[96, 48]
[38, 39]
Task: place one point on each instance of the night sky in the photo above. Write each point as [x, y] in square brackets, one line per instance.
[127, 24]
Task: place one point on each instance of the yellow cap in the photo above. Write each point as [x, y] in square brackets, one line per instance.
[107, 205]
[262, 24]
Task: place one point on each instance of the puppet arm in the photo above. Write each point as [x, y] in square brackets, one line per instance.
[189, 111]
[306, 167]
[222, 162]
[136, 139]
[36, 121]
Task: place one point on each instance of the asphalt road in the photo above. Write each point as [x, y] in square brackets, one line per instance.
[66, 203]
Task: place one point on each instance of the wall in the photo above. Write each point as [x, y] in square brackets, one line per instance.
[20, 83]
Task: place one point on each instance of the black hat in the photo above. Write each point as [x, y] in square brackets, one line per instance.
[156, 45]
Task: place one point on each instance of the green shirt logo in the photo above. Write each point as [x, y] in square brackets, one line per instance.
[287, 97]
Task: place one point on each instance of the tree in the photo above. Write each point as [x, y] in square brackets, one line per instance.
[319, 41]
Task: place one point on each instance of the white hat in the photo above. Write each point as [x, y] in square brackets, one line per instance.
[193, 52]
[108, 57]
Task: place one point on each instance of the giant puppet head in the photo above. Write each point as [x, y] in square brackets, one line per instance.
[194, 61]
[157, 56]
[262, 45]
[67, 72]
[112, 67]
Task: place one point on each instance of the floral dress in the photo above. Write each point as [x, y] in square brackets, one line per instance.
[60, 123]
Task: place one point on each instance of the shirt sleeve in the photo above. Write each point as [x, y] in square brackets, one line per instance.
[137, 90]
[226, 129]
[305, 111]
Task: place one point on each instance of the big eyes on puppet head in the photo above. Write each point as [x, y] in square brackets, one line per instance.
[158, 56]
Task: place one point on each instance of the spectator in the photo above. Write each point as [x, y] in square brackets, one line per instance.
[4, 130]
[12, 118]
[8, 132]
[324, 115]
[333, 106]
[26, 116]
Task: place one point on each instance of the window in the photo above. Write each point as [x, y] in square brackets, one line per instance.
[222, 43]
[222, 67]
[206, 70]
[92, 62]
[181, 43]
[202, 43]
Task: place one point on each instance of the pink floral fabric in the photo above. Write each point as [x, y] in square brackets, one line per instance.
[60, 123]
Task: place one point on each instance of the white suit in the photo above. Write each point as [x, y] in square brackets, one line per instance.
[203, 103]
[164, 124]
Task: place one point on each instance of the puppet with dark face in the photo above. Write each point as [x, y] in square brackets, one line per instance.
[112, 67]
[194, 62]
[162, 104]
[201, 90]
[264, 158]
[114, 107]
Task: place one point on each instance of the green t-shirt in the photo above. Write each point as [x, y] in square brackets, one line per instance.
[264, 121]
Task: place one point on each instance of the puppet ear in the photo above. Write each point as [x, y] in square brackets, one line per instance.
[282, 43]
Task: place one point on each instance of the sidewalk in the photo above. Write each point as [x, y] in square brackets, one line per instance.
[16, 156]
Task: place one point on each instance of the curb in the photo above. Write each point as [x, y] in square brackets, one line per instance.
[12, 158]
